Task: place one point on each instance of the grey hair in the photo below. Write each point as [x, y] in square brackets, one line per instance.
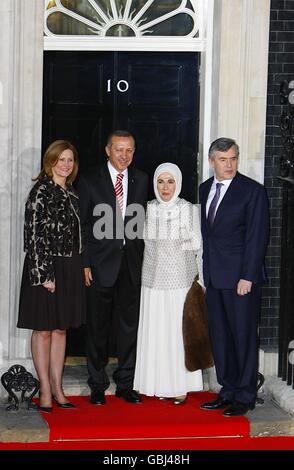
[223, 144]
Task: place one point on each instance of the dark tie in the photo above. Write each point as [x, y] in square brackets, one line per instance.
[212, 207]
[118, 188]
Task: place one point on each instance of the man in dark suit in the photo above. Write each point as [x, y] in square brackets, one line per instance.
[235, 221]
[112, 261]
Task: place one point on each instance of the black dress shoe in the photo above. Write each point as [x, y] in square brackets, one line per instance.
[97, 397]
[130, 396]
[66, 405]
[238, 408]
[216, 404]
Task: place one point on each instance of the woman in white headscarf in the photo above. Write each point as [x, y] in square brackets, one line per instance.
[172, 258]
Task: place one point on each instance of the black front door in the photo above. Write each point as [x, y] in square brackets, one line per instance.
[152, 94]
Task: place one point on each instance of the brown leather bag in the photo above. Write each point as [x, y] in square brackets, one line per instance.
[197, 347]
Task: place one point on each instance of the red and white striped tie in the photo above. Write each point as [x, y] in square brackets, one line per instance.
[118, 188]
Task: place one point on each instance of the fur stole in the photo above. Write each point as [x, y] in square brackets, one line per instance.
[197, 347]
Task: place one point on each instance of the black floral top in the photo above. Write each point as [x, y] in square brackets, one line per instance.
[50, 216]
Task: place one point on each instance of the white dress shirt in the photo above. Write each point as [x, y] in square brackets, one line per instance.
[113, 173]
[224, 188]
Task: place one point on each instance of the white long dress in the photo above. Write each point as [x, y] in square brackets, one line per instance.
[172, 258]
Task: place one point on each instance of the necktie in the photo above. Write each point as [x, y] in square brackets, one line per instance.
[118, 188]
[212, 207]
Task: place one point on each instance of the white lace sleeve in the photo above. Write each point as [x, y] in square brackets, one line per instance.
[198, 242]
[147, 224]
[199, 260]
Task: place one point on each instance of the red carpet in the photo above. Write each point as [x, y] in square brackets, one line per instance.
[154, 419]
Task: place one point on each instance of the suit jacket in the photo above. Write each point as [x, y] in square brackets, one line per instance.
[104, 255]
[234, 247]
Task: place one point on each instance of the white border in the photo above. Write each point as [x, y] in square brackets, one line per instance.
[205, 118]
[147, 43]
[93, 43]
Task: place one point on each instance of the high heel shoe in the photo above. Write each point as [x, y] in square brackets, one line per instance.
[179, 400]
[68, 405]
[45, 409]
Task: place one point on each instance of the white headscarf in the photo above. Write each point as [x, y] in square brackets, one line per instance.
[173, 170]
[166, 209]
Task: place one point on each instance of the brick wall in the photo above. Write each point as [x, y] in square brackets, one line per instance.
[281, 67]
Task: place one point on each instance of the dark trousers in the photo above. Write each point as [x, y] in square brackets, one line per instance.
[233, 321]
[125, 296]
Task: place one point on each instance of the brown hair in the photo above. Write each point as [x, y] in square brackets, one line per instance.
[51, 156]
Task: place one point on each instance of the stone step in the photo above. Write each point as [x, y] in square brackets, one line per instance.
[75, 379]
[268, 419]
[22, 425]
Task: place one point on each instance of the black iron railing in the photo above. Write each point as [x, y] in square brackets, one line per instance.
[287, 131]
[17, 381]
[286, 321]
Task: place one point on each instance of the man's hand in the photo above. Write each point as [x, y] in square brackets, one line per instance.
[244, 287]
[88, 276]
[50, 286]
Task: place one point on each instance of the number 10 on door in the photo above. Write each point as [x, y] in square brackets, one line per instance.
[122, 86]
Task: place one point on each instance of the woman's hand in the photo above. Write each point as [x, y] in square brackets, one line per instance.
[50, 286]
[88, 276]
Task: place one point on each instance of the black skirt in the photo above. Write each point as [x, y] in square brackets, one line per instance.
[65, 308]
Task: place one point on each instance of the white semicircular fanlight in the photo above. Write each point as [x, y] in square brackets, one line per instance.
[117, 18]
